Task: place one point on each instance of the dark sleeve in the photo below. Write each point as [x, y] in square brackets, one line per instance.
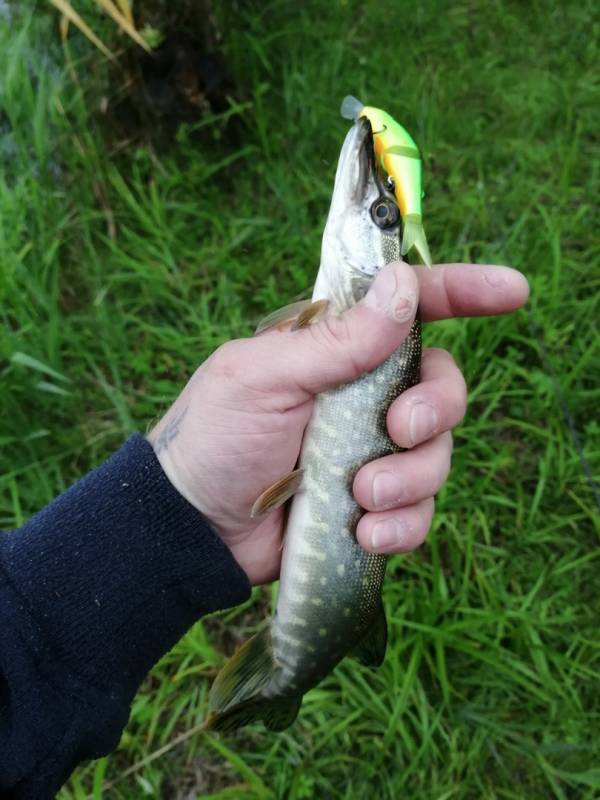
[94, 589]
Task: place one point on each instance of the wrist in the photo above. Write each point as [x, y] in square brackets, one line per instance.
[173, 463]
[176, 452]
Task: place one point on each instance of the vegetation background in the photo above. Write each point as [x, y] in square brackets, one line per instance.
[133, 242]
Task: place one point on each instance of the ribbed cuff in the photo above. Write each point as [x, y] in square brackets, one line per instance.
[117, 568]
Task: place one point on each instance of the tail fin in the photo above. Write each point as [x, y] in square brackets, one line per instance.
[236, 696]
[414, 236]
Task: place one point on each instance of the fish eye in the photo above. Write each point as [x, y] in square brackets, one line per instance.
[385, 212]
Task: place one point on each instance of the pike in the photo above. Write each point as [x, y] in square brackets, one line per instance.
[329, 602]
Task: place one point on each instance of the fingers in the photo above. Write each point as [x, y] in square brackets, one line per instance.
[461, 290]
[436, 404]
[336, 349]
[403, 479]
[396, 531]
[398, 489]
[287, 368]
[340, 348]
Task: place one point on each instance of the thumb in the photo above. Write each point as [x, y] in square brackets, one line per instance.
[338, 349]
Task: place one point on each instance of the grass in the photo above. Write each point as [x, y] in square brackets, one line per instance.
[121, 269]
[120, 13]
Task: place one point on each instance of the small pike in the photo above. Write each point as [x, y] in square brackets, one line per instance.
[329, 603]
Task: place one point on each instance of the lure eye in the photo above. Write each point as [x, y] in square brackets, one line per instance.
[385, 212]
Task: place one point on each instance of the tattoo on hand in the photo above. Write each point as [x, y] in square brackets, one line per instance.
[169, 432]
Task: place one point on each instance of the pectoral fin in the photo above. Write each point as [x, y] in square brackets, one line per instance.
[299, 315]
[370, 650]
[276, 495]
[282, 316]
[310, 314]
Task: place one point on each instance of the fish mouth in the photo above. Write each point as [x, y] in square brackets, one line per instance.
[360, 181]
[357, 175]
[361, 232]
[367, 168]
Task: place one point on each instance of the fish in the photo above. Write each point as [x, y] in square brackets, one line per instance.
[330, 593]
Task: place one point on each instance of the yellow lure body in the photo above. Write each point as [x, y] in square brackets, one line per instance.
[399, 157]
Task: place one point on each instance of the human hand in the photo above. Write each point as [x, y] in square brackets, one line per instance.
[238, 424]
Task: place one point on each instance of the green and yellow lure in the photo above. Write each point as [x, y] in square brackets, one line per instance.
[399, 157]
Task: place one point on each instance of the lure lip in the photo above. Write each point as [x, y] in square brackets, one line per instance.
[351, 107]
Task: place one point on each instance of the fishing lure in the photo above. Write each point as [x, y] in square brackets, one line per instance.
[399, 156]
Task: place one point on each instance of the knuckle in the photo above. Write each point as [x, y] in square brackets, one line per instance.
[227, 361]
[331, 331]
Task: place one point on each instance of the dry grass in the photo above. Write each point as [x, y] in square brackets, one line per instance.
[120, 11]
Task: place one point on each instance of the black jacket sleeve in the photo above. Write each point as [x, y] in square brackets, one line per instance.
[94, 589]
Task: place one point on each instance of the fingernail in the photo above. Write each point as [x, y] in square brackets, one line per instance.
[397, 302]
[388, 535]
[423, 421]
[387, 489]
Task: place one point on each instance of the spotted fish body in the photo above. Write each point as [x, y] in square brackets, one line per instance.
[329, 602]
[330, 597]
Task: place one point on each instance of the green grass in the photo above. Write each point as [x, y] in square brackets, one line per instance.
[122, 269]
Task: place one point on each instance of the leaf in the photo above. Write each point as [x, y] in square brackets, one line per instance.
[45, 386]
[69, 12]
[590, 777]
[99, 773]
[125, 7]
[125, 24]
[238, 763]
[32, 363]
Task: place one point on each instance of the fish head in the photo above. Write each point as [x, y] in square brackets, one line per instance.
[363, 228]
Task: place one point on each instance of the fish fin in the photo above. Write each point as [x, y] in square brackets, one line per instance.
[402, 150]
[351, 107]
[276, 495]
[279, 714]
[282, 316]
[414, 236]
[300, 314]
[235, 697]
[310, 314]
[276, 715]
[370, 651]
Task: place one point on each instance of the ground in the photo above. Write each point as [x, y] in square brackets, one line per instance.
[125, 260]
